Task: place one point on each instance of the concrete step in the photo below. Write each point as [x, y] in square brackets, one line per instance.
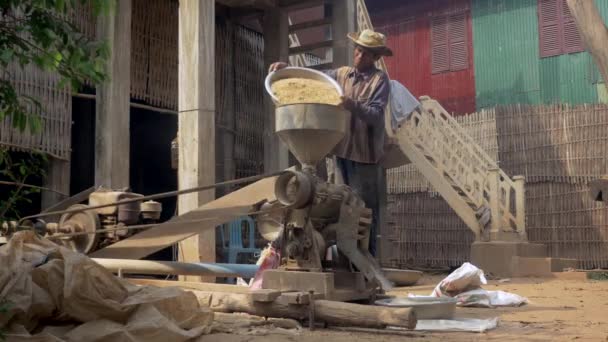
[495, 257]
[540, 267]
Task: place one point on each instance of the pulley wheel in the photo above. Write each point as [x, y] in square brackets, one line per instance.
[79, 222]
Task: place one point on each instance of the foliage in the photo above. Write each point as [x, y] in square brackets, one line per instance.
[40, 32]
[33, 165]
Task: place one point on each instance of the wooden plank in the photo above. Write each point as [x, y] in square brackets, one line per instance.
[196, 123]
[295, 5]
[113, 97]
[304, 48]
[221, 210]
[310, 24]
[262, 295]
[319, 282]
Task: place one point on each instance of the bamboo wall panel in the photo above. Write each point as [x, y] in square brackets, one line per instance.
[558, 143]
[424, 231]
[154, 34]
[55, 113]
[566, 219]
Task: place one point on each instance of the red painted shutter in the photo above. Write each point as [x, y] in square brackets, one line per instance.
[457, 26]
[572, 37]
[440, 56]
[549, 28]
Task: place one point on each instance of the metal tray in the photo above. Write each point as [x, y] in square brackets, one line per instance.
[424, 307]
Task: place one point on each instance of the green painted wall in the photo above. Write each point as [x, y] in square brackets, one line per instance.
[508, 67]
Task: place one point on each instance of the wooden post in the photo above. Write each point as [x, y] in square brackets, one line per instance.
[276, 48]
[593, 32]
[113, 97]
[58, 179]
[343, 22]
[196, 126]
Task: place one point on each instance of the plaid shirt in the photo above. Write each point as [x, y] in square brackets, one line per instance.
[364, 141]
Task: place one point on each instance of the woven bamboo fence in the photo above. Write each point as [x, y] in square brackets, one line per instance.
[154, 34]
[559, 148]
[55, 112]
[239, 96]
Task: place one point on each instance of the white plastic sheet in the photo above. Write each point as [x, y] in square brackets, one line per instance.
[463, 324]
[464, 284]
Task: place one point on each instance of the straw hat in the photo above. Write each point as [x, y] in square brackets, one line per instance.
[374, 41]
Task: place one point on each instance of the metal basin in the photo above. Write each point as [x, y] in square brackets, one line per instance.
[296, 72]
[402, 277]
[424, 307]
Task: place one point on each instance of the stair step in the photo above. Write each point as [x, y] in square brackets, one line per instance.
[540, 267]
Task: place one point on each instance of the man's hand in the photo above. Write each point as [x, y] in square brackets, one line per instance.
[348, 103]
[277, 66]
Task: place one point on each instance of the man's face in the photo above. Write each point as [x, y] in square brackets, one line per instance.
[363, 59]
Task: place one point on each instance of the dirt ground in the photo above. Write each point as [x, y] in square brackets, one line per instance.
[563, 310]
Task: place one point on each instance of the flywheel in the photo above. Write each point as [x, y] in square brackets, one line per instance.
[80, 222]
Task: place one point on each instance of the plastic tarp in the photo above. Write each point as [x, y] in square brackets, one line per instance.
[54, 294]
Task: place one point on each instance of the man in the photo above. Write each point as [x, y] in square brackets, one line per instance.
[366, 94]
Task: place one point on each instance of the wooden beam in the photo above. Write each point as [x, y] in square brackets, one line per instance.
[57, 179]
[331, 312]
[262, 295]
[196, 123]
[310, 24]
[113, 97]
[593, 32]
[276, 48]
[343, 15]
[295, 5]
[304, 48]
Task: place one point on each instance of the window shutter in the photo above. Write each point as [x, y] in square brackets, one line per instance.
[440, 57]
[549, 20]
[572, 37]
[459, 58]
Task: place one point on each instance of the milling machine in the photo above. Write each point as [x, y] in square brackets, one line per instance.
[319, 214]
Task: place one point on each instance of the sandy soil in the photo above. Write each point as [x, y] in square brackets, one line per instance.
[563, 310]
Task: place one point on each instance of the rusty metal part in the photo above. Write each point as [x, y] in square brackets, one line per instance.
[84, 221]
[157, 196]
[294, 188]
[151, 210]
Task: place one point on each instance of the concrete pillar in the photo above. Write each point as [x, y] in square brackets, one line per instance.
[196, 126]
[113, 97]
